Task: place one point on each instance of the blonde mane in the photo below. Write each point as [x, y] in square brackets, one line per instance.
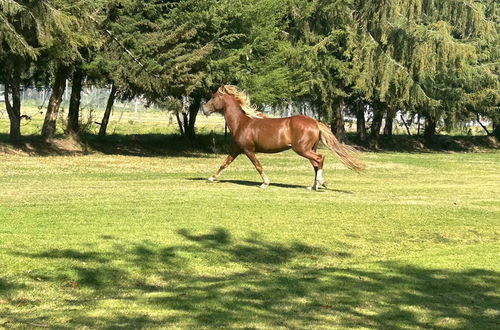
[250, 110]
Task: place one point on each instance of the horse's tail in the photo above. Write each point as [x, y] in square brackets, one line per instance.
[346, 154]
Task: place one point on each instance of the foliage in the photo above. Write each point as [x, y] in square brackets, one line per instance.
[423, 55]
[437, 59]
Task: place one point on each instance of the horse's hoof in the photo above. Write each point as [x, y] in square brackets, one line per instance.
[211, 179]
[314, 188]
[264, 186]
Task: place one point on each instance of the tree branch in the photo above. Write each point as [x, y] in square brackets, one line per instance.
[128, 51]
[479, 121]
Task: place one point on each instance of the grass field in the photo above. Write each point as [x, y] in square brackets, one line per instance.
[109, 241]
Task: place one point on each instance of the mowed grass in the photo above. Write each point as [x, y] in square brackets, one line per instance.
[108, 241]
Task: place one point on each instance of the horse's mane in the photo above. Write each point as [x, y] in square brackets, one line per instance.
[240, 96]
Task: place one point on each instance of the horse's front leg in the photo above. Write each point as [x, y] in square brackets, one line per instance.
[232, 156]
[258, 167]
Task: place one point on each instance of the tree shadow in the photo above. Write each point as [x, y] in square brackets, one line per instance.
[158, 145]
[7, 286]
[256, 283]
[216, 237]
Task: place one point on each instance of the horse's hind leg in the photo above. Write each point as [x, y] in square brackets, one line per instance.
[259, 168]
[319, 174]
[317, 163]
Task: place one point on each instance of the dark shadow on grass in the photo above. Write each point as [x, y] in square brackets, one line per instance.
[257, 184]
[7, 286]
[64, 254]
[249, 183]
[255, 283]
[154, 145]
[217, 236]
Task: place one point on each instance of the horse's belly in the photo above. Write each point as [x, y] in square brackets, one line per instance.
[271, 150]
[271, 135]
[273, 143]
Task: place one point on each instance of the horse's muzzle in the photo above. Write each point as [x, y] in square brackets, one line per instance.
[207, 111]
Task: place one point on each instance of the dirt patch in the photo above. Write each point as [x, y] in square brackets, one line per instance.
[70, 145]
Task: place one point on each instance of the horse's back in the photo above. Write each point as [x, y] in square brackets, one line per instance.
[302, 122]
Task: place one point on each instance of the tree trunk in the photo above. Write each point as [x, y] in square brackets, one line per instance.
[378, 115]
[430, 128]
[496, 130]
[478, 117]
[49, 123]
[337, 124]
[389, 120]
[179, 122]
[107, 112]
[74, 103]
[418, 124]
[185, 120]
[360, 121]
[406, 125]
[14, 110]
[194, 107]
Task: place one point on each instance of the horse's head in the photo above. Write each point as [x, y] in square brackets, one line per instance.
[215, 104]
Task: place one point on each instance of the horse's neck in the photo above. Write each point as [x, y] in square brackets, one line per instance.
[234, 116]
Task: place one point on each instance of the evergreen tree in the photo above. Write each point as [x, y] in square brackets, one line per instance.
[21, 35]
[320, 32]
[72, 32]
[416, 55]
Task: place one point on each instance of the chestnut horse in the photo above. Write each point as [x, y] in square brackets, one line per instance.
[253, 132]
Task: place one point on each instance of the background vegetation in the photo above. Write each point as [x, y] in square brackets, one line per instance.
[422, 61]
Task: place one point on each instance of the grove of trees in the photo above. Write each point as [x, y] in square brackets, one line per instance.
[426, 59]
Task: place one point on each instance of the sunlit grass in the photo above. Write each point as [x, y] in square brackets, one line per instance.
[121, 122]
[121, 241]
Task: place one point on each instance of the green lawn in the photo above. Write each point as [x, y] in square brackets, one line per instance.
[120, 241]
[121, 122]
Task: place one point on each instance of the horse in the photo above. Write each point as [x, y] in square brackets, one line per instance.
[254, 132]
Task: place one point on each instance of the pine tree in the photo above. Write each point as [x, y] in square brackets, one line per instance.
[72, 32]
[416, 55]
[185, 50]
[21, 33]
[320, 31]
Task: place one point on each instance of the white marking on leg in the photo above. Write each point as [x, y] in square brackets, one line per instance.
[320, 175]
[320, 179]
[315, 184]
[266, 181]
[313, 187]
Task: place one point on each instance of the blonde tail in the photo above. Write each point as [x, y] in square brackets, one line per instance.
[346, 154]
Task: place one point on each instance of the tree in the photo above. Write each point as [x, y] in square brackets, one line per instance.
[162, 48]
[416, 55]
[20, 35]
[321, 30]
[185, 50]
[72, 32]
